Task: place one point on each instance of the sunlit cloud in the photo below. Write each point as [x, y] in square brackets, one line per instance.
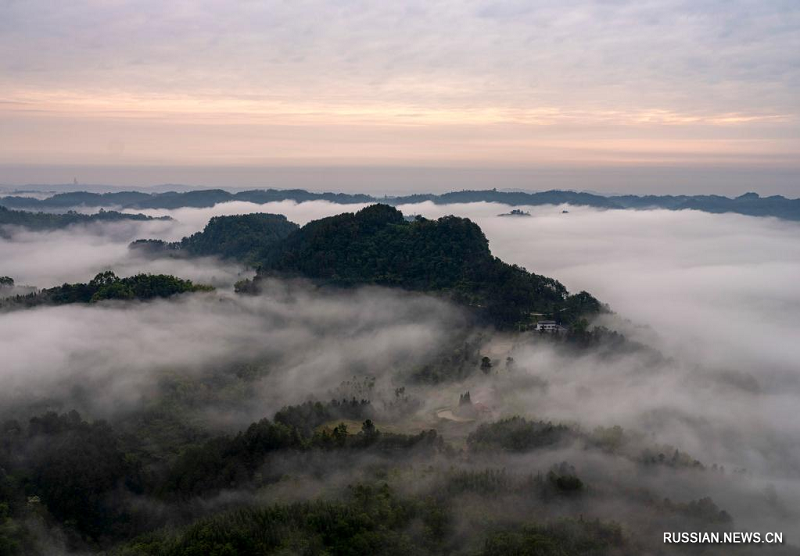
[210, 107]
[417, 83]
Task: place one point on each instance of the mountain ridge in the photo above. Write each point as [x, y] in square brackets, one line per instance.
[377, 245]
[749, 204]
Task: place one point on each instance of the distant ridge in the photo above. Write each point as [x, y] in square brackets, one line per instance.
[750, 204]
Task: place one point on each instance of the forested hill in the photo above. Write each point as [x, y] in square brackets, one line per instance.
[244, 237]
[49, 221]
[749, 204]
[450, 255]
[106, 285]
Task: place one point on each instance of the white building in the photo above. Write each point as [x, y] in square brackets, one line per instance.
[550, 326]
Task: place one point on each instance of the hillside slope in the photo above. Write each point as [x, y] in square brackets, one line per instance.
[450, 255]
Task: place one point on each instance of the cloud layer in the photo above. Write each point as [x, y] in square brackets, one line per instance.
[714, 294]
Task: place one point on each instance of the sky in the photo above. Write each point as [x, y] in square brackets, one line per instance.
[387, 97]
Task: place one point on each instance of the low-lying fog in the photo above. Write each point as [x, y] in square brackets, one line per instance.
[717, 295]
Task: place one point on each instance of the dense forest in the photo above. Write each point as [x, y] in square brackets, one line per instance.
[102, 484]
[377, 245]
[54, 221]
[106, 286]
[450, 255]
[322, 417]
[245, 238]
[749, 204]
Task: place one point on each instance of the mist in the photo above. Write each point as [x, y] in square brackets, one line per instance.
[712, 297]
[723, 283]
[310, 341]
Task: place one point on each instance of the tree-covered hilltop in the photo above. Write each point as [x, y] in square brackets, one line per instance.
[242, 237]
[107, 285]
[377, 245]
[450, 255]
[52, 221]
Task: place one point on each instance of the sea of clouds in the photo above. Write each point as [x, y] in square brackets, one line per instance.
[716, 295]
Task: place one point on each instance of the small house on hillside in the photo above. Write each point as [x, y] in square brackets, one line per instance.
[550, 326]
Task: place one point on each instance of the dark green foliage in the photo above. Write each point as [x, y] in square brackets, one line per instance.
[490, 482]
[14, 538]
[517, 434]
[703, 510]
[245, 238]
[450, 255]
[516, 213]
[376, 245]
[458, 361]
[372, 520]
[84, 478]
[75, 466]
[69, 466]
[108, 285]
[156, 247]
[670, 458]
[377, 441]
[6, 282]
[310, 415]
[580, 335]
[568, 537]
[52, 221]
[562, 479]
[227, 462]
[528, 542]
